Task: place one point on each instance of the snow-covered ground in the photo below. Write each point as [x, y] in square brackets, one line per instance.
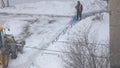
[40, 30]
[62, 8]
[100, 29]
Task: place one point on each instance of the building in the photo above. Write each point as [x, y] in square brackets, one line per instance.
[114, 7]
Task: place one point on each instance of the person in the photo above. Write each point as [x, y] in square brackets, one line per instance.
[79, 9]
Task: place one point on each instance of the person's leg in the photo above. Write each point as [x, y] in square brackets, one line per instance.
[77, 14]
[80, 15]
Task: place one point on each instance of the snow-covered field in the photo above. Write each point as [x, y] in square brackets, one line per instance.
[42, 25]
[62, 8]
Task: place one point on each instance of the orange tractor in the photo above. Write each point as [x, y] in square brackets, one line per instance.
[9, 47]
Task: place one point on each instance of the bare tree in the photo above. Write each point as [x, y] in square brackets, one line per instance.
[7, 4]
[85, 53]
[4, 3]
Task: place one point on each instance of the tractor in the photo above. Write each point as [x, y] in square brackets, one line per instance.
[9, 47]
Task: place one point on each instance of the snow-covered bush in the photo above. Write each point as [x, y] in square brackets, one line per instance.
[98, 16]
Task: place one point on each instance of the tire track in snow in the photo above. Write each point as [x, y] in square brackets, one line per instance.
[34, 54]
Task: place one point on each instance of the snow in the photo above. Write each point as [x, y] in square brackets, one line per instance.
[43, 28]
[13, 25]
[98, 32]
[46, 59]
[40, 38]
[99, 27]
[56, 7]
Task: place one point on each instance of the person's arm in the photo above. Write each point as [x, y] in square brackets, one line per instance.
[76, 6]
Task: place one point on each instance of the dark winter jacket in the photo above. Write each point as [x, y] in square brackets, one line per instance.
[79, 7]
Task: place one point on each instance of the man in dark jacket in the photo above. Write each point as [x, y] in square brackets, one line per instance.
[79, 9]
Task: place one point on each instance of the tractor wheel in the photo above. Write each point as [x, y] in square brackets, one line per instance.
[14, 51]
[14, 54]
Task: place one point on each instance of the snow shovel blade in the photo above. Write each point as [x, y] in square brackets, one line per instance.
[75, 19]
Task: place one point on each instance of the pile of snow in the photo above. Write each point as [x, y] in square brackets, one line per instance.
[16, 27]
[98, 25]
[99, 29]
